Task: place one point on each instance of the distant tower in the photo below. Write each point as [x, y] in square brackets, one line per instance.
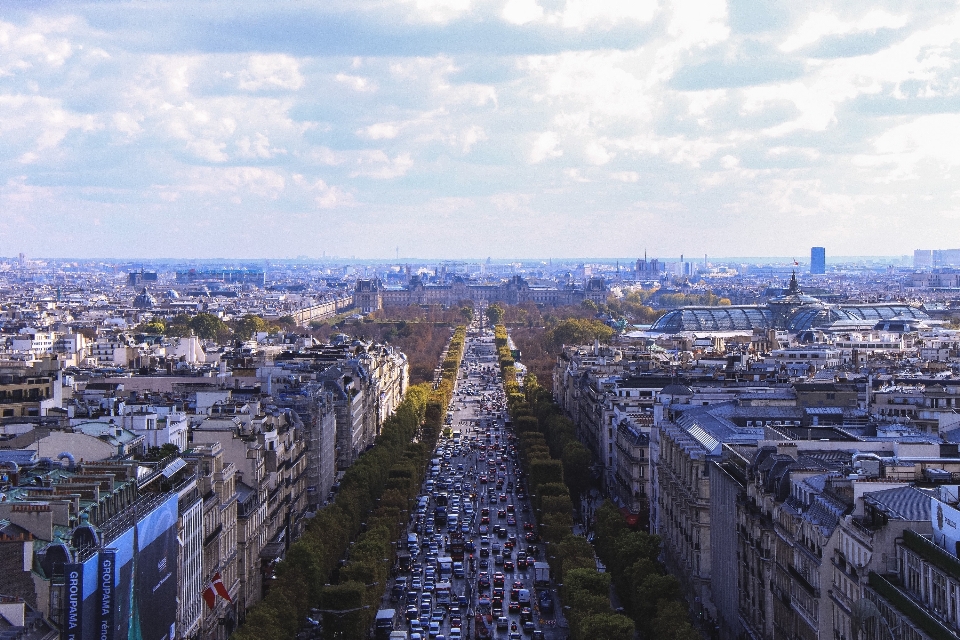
[818, 261]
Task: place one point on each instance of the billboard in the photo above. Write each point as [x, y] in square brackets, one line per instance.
[155, 588]
[123, 547]
[81, 609]
[946, 526]
[127, 590]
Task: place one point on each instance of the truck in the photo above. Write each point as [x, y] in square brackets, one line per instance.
[443, 593]
[541, 573]
[445, 564]
[383, 626]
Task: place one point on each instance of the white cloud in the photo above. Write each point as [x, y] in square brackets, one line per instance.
[440, 11]
[324, 196]
[826, 23]
[522, 11]
[377, 164]
[626, 176]
[36, 126]
[357, 83]
[545, 146]
[380, 131]
[705, 117]
[597, 154]
[273, 71]
[580, 14]
[933, 139]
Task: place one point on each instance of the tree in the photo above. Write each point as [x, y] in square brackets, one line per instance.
[179, 327]
[209, 326]
[249, 325]
[672, 622]
[161, 452]
[576, 467]
[654, 588]
[155, 326]
[579, 331]
[495, 314]
[466, 312]
[609, 626]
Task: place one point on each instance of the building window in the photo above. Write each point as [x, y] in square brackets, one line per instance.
[939, 592]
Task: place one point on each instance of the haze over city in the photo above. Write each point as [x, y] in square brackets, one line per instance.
[453, 128]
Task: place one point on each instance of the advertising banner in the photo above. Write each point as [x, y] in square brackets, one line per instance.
[107, 577]
[73, 602]
[156, 572]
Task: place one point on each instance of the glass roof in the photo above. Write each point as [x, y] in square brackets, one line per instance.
[750, 317]
[741, 318]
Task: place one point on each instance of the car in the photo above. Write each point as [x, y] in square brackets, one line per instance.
[483, 529]
[503, 497]
[434, 629]
[528, 526]
[545, 600]
[508, 565]
[514, 607]
[526, 614]
[498, 579]
[501, 513]
[456, 634]
[503, 622]
[511, 521]
[515, 635]
[528, 626]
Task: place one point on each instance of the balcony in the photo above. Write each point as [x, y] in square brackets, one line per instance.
[802, 581]
[932, 553]
[900, 601]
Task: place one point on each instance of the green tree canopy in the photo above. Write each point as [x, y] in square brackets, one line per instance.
[209, 326]
[248, 325]
[156, 325]
[577, 460]
[609, 626]
[495, 313]
[578, 331]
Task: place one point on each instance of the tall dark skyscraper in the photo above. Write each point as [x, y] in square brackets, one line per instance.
[818, 260]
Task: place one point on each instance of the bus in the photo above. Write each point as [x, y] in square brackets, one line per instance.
[456, 548]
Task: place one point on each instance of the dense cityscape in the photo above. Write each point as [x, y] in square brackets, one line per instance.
[644, 447]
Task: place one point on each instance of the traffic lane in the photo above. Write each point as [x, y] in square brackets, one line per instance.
[471, 414]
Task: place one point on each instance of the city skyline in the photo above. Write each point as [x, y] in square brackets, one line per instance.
[449, 128]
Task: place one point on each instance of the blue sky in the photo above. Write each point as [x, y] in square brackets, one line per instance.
[475, 128]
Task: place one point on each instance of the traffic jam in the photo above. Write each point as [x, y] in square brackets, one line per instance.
[473, 565]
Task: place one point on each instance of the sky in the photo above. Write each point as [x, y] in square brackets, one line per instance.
[478, 128]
